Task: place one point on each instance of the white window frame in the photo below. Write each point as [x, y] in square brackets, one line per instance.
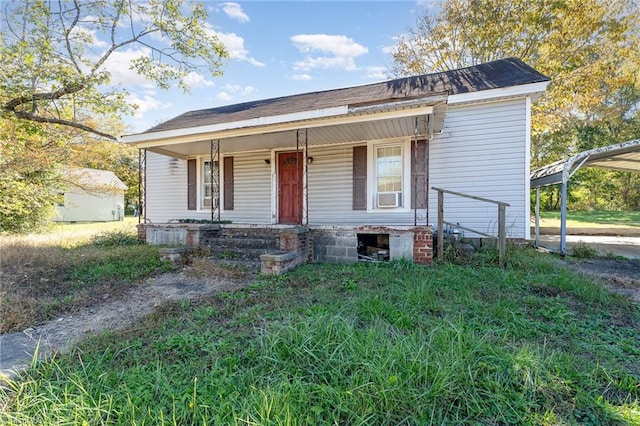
[372, 181]
[200, 179]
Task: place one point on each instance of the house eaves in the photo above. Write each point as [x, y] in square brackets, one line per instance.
[344, 114]
[390, 99]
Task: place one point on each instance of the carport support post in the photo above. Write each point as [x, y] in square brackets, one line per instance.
[537, 217]
[563, 218]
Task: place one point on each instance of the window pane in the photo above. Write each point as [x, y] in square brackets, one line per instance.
[389, 168]
[209, 188]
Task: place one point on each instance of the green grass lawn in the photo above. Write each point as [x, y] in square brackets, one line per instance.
[68, 268]
[589, 219]
[364, 344]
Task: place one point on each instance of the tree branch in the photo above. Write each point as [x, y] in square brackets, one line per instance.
[51, 120]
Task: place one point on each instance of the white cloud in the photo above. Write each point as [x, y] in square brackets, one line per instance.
[231, 91]
[377, 73]
[390, 50]
[234, 11]
[335, 51]
[119, 65]
[249, 90]
[236, 88]
[325, 62]
[146, 103]
[89, 36]
[235, 46]
[338, 45]
[195, 80]
[301, 77]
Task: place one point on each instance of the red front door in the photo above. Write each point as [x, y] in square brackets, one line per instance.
[290, 187]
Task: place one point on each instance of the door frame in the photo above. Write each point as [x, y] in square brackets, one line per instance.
[275, 180]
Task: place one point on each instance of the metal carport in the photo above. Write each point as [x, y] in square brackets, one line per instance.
[624, 156]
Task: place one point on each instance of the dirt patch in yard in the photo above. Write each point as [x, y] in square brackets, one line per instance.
[116, 312]
[620, 276]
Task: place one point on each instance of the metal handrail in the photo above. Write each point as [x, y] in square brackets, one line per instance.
[502, 234]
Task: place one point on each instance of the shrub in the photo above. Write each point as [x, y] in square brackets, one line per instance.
[115, 239]
[583, 251]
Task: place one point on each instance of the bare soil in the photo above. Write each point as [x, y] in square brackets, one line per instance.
[620, 276]
[121, 312]
[112, 313]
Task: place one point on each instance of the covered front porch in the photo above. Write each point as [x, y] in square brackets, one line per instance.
[363, 164]
[344, 178]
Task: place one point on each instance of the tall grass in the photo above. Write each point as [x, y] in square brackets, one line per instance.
[360, 344]
[46, 275]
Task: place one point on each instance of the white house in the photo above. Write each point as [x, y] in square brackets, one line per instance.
[353, 161]
[91, 196]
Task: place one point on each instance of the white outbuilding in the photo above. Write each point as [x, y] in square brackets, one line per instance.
[92, 195]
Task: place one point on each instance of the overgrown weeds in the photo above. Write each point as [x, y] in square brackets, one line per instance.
[41, 281]
[387, 343]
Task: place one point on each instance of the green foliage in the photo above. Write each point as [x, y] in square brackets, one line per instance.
[602, 217]
[383, 343]
[115, 239]
[589, 49]
[582, 250]
[29, 180]
[41, 281]
[52, 75]
[201, 221]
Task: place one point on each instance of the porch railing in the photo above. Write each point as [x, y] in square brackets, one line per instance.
[502, 234]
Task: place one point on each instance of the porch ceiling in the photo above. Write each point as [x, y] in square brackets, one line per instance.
[325, 135]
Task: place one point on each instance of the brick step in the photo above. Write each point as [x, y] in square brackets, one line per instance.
[239, 254]
[244, 242]
[249, 233]
[247, 265]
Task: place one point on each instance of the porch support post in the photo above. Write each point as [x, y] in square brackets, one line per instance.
[537, 217]
[142, 185]
[414, 181]
[428, 131]
[302, 143]
[214, 170]
[422, 128]
[440, 225]
[563, 218]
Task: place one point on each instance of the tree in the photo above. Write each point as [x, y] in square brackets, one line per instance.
[590, 49]
[29, 180]
[57, 105]
[55, 55]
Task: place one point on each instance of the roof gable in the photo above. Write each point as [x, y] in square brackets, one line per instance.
[491, 75]
[93, 180]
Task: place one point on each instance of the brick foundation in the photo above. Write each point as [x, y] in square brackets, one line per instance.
[295, 245]
[423, 245]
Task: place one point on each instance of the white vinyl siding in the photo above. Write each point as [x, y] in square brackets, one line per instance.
[167, 190]
[482, 151]
[330, 191]
[252, 189]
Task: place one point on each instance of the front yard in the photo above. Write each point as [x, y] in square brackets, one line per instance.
[394, 343]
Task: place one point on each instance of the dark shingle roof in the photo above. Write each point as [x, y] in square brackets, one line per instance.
[490, 75]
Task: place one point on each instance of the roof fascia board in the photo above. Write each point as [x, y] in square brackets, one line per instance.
[174, 137]
[504, 92]
[253, 122]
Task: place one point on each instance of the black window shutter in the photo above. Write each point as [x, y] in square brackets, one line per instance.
[419, 175]
[359, 178]
[192, 202]
[228, 183]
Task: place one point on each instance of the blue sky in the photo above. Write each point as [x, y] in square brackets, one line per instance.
[280, 48]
